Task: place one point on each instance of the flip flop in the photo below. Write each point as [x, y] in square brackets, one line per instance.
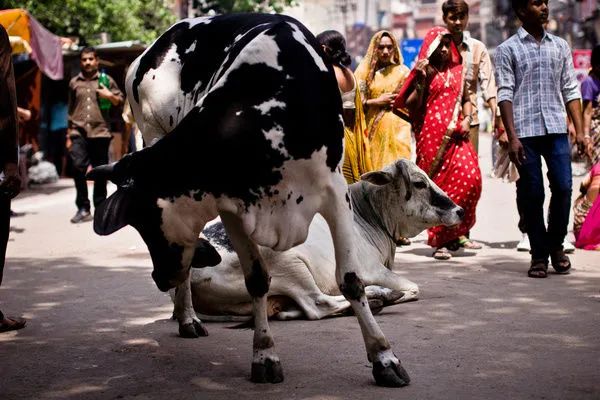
[469, 244]
[403, 241]
[442, 253]
[12, 324]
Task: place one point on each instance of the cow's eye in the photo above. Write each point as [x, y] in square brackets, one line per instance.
[420, 185]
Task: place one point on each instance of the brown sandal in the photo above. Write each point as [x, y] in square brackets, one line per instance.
[442, 253]
[538, 269]
[560, 262]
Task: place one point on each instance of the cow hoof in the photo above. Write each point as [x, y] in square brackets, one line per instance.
[376, 305]
[192, 330]
[391, 376]
[268, 372]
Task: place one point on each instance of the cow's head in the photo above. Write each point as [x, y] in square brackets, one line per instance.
[409, 202]
[169, 226]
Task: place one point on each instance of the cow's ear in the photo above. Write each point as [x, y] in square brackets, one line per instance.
[102, 172]
[205, 255]
[113, 213]
[115, 172]
[378, 178]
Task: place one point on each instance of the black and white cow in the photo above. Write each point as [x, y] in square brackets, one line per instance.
[257, 139]
[303, 283]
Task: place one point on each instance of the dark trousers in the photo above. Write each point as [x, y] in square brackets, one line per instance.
[522, 226]
[530, 192]
[4, 231]
[85, 152]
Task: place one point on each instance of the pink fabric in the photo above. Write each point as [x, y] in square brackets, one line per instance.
[589, 235]
[47, 50]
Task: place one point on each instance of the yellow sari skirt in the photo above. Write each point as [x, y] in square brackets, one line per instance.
[357, 160]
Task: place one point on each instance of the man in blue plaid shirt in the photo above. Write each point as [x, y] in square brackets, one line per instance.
[535, 77]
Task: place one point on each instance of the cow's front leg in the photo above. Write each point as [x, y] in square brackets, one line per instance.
[266, 366]
[387, 370]
[190, 325]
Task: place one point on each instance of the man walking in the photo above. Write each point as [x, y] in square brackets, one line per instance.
[535, 76]
[88, 134]
[10, 183]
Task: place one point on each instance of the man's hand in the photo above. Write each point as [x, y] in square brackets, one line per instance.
[516, 153]
[23, 114]
[503, 140]
[584, 145]
[104, 93]
[465, 127]
[11, 185]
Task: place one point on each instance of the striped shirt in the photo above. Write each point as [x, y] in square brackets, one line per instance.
[539, 79]
[478, 70]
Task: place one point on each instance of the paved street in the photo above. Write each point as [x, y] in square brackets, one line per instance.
[99, 329]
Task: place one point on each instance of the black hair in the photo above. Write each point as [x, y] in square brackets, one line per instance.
[518, 5]
[455, 6]
[335, 47]
[88, 49]
[595, 60]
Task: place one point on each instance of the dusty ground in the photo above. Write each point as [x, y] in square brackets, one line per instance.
[99, 329]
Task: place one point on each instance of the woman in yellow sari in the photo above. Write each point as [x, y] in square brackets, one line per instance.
[356, 144]
[380, 74]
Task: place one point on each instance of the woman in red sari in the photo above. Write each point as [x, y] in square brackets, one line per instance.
[436, 102]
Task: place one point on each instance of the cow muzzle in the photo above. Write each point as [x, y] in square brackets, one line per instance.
[454, 217]
[166, 282]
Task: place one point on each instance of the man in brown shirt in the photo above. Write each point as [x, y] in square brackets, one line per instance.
[88, 134]
[10, 183]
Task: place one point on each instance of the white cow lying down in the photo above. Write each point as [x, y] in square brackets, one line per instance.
[383, 210]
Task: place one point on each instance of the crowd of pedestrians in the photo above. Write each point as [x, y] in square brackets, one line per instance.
[529, 87]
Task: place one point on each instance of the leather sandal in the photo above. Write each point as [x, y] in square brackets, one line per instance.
[442, 253]
[403, 241]
[538, 269]
[560, 262]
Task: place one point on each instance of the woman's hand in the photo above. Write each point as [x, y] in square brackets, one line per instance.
[421, 68]
[384, 100]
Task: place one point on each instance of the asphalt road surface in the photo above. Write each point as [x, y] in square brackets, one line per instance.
[99, 329]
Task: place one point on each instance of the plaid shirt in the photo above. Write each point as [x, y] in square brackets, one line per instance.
[538, 79]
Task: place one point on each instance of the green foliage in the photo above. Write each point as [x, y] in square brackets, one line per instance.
[228, 6]
[140, 20]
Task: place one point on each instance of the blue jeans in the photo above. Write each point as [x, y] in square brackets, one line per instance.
[556, 151]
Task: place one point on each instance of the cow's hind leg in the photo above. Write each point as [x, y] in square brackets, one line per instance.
[189, 324]
[387, 370]
[266, 366]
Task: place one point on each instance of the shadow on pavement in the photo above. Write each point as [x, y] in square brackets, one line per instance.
[479, 330]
